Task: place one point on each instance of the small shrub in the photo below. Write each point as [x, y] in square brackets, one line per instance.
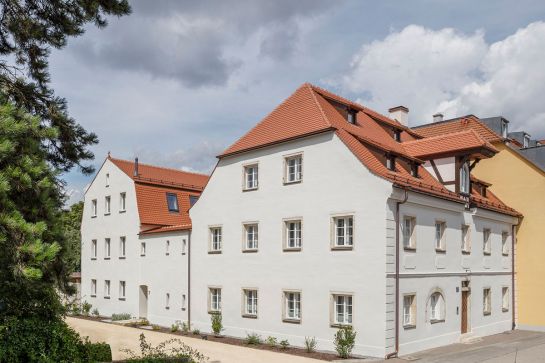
[196, 332]
[174, 328]
[271, 341]
[98, 352]
[95, 312]
[143, 322]
[172, 350]
[253, 339]
[310, 344]
[155, 327]
[217, 324]
[122, 316]
[284, 344]
[86, 308]
[185, 327]
[75, 309]
[345, 339]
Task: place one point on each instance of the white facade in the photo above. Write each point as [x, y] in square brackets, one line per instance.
[335, 184]
[155, 272]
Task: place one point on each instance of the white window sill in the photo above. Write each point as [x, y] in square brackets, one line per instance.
[250, 250]
[435, 321]
[409, 248]
[504, 310]
[286, 182]
[342, 248]
[466, 252]
[122, 298]
[440, 250]
[249, 189]
[292, 249]
[409, 326]
[121, 257]
[487, 253]
[93, 258]
[249, 316]
[122, 211]
[291, 321]
[94, 216]
[211, 312]
[106, 258]
[106, 297]
[214, 252]
[339, 325]
[486, 313]
[106, 214]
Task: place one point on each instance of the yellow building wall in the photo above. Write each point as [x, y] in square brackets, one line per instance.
[522, 186]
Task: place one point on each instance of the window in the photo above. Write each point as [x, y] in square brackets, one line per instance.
[122, 201]
[172, 202]
[107, 249]
[487, 303]
[504, 129]
[250, 303]
[526, 141]
[93, 288]
[292, 306]
[142, 248]
[214, 299]
[251, 237]
[397, 135]
[408, 232]
[121, 290]
[351, 116]
[215, 239]
[167, 247]
[167, 301]
[409, 310]
[391, 162]
[436, 308]
[122, 247]
[440, 235]
[344, 231]
[94, 208]
[486, 241]
[107, 205]
[184, 246]
[294, 169]
[464, 179]
[106, 289]
[250, 177]
[342, 309]
[107, 179]
[94, 249]
[414, 170]
[505, 243]
[293, 235]
[466, 241]
[505, 299]
[183, 302]
[192, 200]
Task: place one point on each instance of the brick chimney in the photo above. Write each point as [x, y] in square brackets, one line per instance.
[401, 114]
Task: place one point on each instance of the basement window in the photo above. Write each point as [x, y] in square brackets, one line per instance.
[172, 202]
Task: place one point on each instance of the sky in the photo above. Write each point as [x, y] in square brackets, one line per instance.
[176, 82]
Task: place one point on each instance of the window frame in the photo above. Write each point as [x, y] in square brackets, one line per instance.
[466, 238]
[298, 170]
[465, 182]
[440, 244]
[245, 230]
[487, 301]
[255, 303]
[94, 249]
[505, 243]
[286, 235]
[107, 289]
[212, 242]
[122, 290]
[184, 302]
[505, 299]
[122, 202]
[412, 310]
[170, 195]
[348, 231]
[437, 311]
[184, 246]
[107, 205]
[412, 237]
[297, 306]
[487, 243]
[214, 304]
[94, 208]
[107, 248]
[167, 247]
[143, 249]
[255, 176]
[107, 180]
[348, 308]
[167, 301]
[93, 287]
[122, 247]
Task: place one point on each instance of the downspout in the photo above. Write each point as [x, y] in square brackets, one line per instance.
[189, 280]
[513, 239]
[394, 354]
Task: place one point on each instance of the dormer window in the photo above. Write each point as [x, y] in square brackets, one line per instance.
[391, 162]
[504, 129]
[414, 170]
[526, 141]
[464, 179]
[193, 199]
[351, 116]
[397, 135]
[172, 202]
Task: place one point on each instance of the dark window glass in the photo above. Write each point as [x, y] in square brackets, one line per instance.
[172, 202]
[193, 199]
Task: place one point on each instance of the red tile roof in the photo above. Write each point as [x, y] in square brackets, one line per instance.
[469, 122]
[311, 110]
[445, 144]
[166, 229]
[152, 185]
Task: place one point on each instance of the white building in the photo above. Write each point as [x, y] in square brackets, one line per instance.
[135, 240]
[327, 213]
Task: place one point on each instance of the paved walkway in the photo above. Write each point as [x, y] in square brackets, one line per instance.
[120, 337]
[518, 346]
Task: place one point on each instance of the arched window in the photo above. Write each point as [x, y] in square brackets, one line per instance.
[464, 179]
[436, 307]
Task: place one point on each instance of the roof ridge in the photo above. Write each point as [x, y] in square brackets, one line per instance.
[313, 94]
[441, 136]
[161, 167]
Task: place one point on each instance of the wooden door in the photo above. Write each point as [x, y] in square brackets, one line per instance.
[465, 295]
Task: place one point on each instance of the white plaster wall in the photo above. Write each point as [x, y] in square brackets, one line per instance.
[446, 168]
[160, 272]
[334, 181]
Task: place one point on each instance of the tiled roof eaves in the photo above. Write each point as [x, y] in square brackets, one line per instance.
[167, 229]
[382, 147]
[276, 142]
[166, 183]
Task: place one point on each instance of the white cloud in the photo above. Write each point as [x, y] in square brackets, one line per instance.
[445, 70]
